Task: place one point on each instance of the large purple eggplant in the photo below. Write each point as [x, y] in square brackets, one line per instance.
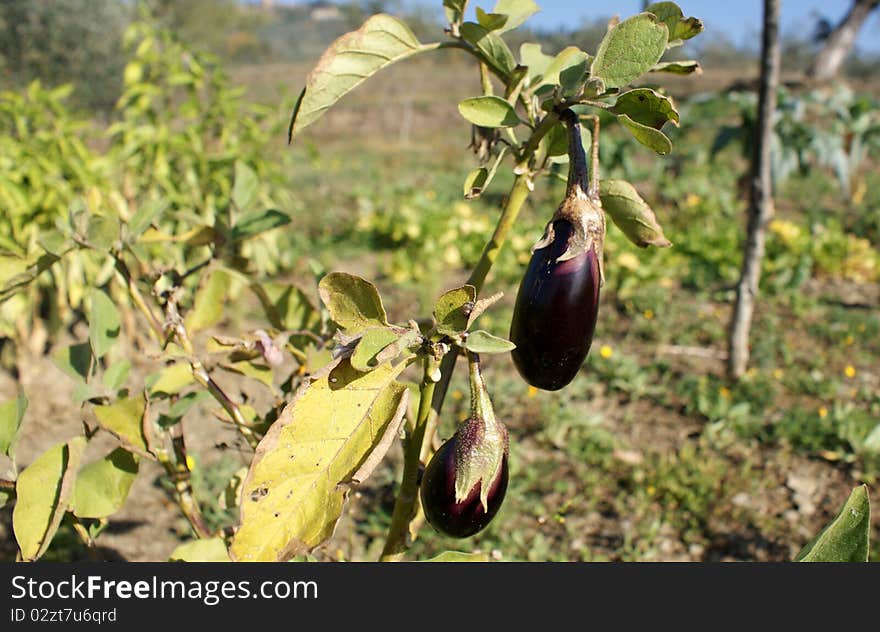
[558, 300]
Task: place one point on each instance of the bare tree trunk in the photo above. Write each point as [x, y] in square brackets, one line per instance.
[760, 195]
[840, 42]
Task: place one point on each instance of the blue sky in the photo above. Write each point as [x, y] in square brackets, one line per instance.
[740, 19]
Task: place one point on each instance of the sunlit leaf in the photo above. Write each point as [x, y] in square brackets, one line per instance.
[349, 61]
[208, 550]
[453, 309]
[458, 556]
[631, 214]
[353, 302]
[489, 111]
[123, 418]
[74, 360]
[678, 67]
[647, 136]
[11, 416]
[647, 107]
[297, 483]
[245, 186]
[170, 380]
[516, 11]
[256, 222]
[43, 492]
[210, 299]
[103, 485]
[371, 344]
[629, 50]
[483, 342]
[846, 538]
[490, 44]
[104, 322]
[116, 374]
[680, 28]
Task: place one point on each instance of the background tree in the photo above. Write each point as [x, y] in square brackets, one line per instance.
[760, 195]
[840, 41]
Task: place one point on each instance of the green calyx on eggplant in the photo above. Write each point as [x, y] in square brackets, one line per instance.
[557, 304]
[465, 482]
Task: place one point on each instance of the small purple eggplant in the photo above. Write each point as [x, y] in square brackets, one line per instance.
[558, 300]
[464, 483]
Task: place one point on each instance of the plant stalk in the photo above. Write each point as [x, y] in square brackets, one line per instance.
[405, 505]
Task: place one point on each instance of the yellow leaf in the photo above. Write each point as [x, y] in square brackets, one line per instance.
[297, 484]
[208, 306]
[124, 419]
[210, 550]
[43, 492]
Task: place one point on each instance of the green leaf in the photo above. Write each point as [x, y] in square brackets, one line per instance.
[495, 50]
[103, 485]
[245, 186]
[170, 380]
[116, 374]
[846, 538]
[208, 550]
[209, 302]
[102, 232]
[678, 67]
[43, 492]
[373, 342]
[144, 216]
[353, 302]
[325, 440]
[458, 556]
[259, 372]
[647, 136]
[54, 242]
[475, 183]
[478, 179]
[74, 360]
[288, 307]
[490, 21]
[517, 12]
[124, 418]
[533, 57]
[489, 111]
[631, 214]
[15, 284]
[82, 392]
[11, 416]
[629, 50]
[572, 78]
[483, 342]
[104, 322]
[454, 9]
[647, 107]
[256, 222]
[569, 57]
[680, 28]
[179, 408]
[453, 309]
[348, 62]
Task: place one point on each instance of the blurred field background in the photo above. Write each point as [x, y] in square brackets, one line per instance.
[650, 454]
